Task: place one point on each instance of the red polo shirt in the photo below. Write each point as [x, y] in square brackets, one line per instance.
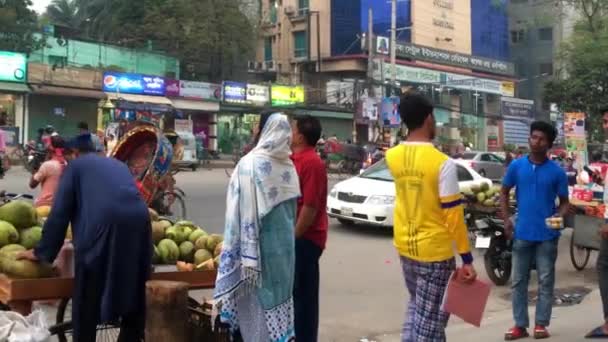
[313, 186]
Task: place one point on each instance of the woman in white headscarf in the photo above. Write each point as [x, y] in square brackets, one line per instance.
[255, 277]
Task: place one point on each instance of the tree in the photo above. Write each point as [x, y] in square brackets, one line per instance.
[582, 82]
[18, 25]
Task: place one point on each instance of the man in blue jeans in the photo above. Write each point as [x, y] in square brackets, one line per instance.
[538, 182]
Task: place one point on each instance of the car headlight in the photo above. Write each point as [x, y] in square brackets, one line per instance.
[380, 200]
[333, 193]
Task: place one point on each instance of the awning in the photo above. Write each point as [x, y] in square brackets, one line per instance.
[65, 91]
[140, 98]
[325, 114]
[201, 106]
[14, 87]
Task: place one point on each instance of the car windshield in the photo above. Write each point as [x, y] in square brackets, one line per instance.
[469, 155]
[378, 171]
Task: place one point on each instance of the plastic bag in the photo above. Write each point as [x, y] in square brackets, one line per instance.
[16, 328]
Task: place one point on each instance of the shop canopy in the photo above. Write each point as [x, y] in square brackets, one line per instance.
[193, 105]
[65, 91]
[14, 87]
[140, 98]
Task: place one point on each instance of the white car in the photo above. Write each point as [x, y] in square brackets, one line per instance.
[369, 198]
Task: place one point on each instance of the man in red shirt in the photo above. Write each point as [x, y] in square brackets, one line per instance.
[311, 226]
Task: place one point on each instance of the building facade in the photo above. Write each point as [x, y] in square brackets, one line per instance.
[466, 75]
[536, 31]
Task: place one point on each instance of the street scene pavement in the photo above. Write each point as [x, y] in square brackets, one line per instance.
[362, 292]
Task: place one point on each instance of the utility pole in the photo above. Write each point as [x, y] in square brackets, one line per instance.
[393, 43]
[370, 69]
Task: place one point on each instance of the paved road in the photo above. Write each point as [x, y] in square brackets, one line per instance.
[362, 291]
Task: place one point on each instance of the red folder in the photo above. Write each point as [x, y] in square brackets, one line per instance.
[467, 301]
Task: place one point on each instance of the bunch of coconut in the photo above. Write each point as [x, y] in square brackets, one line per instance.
[184, 244]
[20, 230]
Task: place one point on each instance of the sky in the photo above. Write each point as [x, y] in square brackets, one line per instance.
[40, 5]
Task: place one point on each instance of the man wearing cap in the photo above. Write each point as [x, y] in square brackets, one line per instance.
[112, 242]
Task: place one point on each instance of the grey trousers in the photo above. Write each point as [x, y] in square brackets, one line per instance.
[602, 269]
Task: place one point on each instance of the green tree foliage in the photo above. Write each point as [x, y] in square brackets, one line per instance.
[18, 23]
[582, 82]
[211, 38]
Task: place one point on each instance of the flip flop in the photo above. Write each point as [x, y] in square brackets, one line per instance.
[597, 333]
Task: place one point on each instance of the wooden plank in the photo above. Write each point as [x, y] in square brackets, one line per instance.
[53, 288]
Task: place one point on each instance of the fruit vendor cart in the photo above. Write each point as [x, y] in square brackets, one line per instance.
[18, 295]
[586, 234]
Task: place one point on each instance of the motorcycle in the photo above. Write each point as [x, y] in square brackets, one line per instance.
[35, 156]
[490, 236]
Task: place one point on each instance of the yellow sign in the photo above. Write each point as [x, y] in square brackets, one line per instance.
[286, 95]
[507, 89]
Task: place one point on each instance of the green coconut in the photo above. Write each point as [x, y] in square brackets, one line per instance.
[8, 234]
[201, 256]
[168, 251]
[30, 237]
[186, 251]
[20, 214]
[197, 233]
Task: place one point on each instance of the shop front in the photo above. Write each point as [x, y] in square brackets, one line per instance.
[62, 98]
[13, 90]
[198, 102]
[134, 97]
[239, 112]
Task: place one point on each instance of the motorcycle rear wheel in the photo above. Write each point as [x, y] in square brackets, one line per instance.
[498, 270]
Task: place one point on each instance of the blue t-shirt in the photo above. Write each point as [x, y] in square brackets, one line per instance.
[537, 187]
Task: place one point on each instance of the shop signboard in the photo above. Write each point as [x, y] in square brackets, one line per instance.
[13, 67]
[183, 126]
[483, 85]
[383, 71]
[194, 90]
[234, 92]
[287, 95]
[258, 94]
[114, 82]
[390, 112]
[517, 108]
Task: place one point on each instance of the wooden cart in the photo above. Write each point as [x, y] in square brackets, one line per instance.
[18, 295]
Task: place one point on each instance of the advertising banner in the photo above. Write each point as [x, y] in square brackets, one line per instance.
[517, 108]
[13, 67]
[234, 92]
[287, 95]
[258, 94]
[114, 82]
[390, 112]
[194, 90]
[576, 137]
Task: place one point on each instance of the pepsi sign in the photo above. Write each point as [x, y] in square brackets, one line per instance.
[114, 82]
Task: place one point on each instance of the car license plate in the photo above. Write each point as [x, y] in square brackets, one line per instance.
[483, 241]
[346, 211]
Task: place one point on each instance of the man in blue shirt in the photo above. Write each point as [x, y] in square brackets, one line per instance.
[538, 182]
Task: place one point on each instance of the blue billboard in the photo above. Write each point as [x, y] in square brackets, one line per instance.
[115, 82]
[234, 92]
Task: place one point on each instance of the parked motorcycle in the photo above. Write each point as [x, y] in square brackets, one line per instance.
[490, 236]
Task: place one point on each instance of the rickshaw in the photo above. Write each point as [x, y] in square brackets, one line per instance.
[149, 154]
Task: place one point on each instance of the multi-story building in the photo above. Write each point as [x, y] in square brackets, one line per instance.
[455, 51]
[536, 31]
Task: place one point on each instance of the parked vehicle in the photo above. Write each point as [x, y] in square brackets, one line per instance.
[370, 197]
[491, 237]
[486, 164]
[36, 155]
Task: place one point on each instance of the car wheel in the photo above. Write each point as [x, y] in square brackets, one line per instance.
[346, 222]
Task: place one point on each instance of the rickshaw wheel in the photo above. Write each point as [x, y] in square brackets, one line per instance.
[578, 255]
[63, 327]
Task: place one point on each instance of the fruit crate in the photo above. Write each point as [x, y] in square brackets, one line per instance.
[200, 327]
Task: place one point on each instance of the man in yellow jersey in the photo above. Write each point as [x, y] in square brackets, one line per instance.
[429, 221]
